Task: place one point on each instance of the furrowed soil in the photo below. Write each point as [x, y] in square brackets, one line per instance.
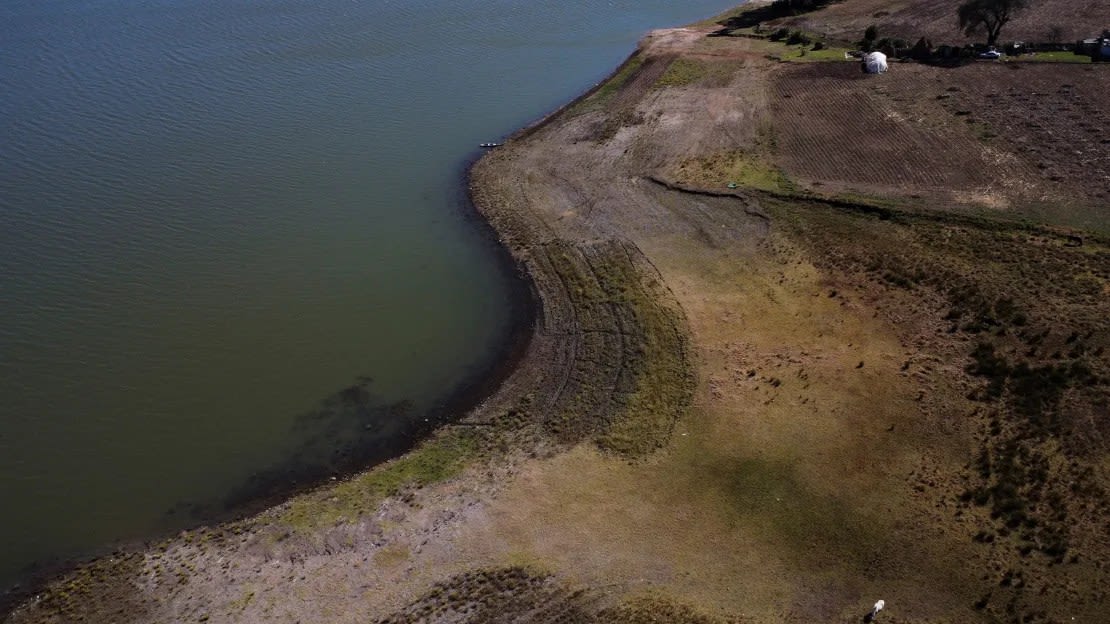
[1025, 138]
[805, 340]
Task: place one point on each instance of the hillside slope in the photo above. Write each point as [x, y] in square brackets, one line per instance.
[936, 20]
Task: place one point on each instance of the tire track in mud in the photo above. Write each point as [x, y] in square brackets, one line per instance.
[611, 332]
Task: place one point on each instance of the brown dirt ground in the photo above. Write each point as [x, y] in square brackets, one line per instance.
[1047, 116]
[936, 19]
[738, 404]
[1022, 137]
[837, 127]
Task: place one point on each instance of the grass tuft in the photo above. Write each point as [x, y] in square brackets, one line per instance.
[438, 459]
[609, 88]
[741, 168]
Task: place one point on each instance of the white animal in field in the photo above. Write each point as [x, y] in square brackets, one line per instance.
[875, 609]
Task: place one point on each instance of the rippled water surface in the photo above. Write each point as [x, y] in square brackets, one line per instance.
[233, 238]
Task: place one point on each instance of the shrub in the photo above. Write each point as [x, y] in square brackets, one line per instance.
[867, 44]
[798, 37]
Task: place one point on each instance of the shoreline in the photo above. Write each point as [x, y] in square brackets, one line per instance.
[549, 315]
[502, 360]
[517, 355]
[730, 404]
[526, 310]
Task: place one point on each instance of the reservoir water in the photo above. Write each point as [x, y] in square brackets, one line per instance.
[234, 245]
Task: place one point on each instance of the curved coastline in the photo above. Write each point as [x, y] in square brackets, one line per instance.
[541, 370]
[531, 366]
[514, 356]
[501, 362]
[812, 415]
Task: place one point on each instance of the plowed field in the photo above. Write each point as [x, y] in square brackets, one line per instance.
[998, 135]
[1054, 117]
[837, 126]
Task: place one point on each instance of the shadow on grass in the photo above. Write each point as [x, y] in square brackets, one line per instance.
[779, 8]
[770, 497]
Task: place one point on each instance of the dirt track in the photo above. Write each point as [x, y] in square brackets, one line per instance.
[732, 409]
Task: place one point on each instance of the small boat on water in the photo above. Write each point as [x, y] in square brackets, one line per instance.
[489, 145]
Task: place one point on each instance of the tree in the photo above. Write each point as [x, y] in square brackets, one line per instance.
[869, 36]
[988, 15]
[1055, 34]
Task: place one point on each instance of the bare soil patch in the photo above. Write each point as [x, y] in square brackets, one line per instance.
[835, 125]
[1048, 116]
[1026, 138]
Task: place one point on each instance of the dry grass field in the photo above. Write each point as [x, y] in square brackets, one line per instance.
[1022, 311]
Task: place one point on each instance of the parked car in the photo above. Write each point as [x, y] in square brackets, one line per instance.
[990, 54]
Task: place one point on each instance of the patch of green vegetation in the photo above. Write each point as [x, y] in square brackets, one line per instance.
[609, 88]
[437, 459]
[792, 37]
[663, 381]
[740, 168]
[681, 72]
[685, 71]
[800, 46]
[1052, 57]
[802, 54]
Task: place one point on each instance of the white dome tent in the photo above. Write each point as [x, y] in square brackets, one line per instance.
[874, 63]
